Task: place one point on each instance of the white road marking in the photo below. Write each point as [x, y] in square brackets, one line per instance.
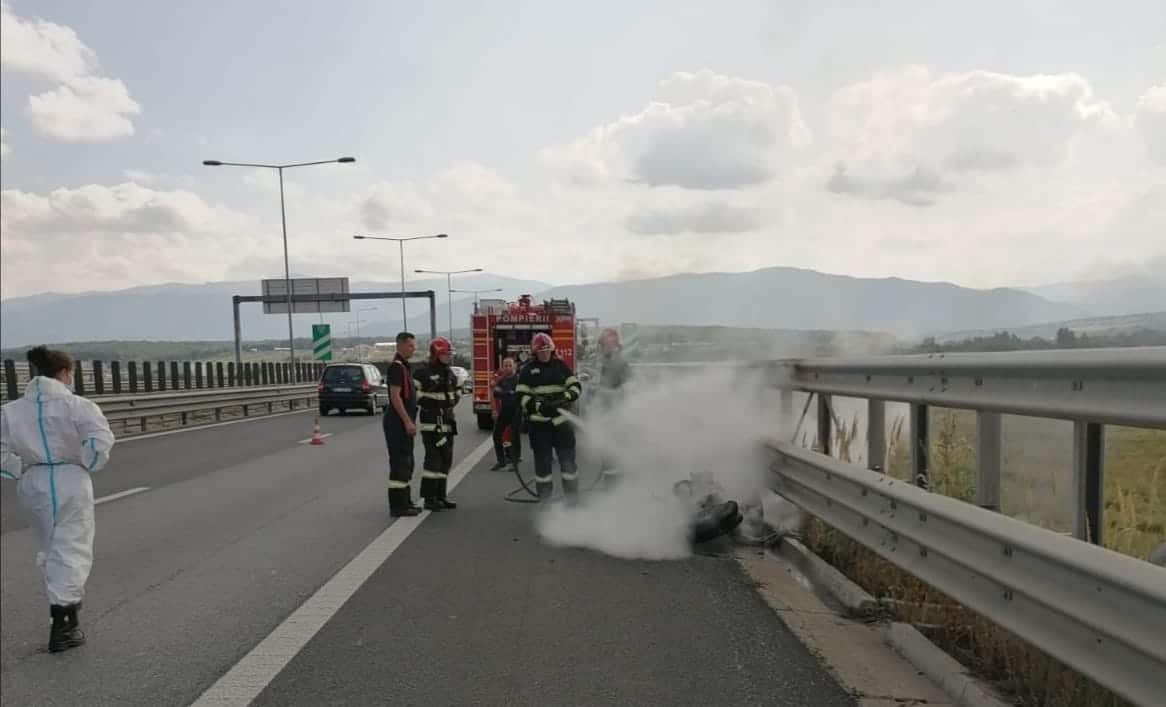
[195, 428]
[120, 494]
[244, 682]
[309, 439]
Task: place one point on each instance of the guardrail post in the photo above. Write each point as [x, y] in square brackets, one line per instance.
[920, 445]
[10, 379]
[79, 378]
[254, 374]
[132, 371]
[198, 374]
[263, 373]
[988, 459]
[98, 378]
[161, 376]
[1088, 476]
[219, 372]
[825, 423]
[174, 375]
[115, 373]
[231, 374]
[272, 373]
[186, 375]
[876, 435]
[786, 412]
[147, 377]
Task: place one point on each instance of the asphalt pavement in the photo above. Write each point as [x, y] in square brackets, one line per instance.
[240, 525]
[243, 524]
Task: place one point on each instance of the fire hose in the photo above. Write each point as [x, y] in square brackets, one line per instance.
[526, 486]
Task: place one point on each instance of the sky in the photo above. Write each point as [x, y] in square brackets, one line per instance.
[986, 144]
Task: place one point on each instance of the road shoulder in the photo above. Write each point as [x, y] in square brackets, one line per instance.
[854, 652]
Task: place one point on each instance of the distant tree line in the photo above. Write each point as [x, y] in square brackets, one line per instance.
[1065, 338]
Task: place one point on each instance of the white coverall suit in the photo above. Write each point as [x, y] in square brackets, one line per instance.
[50, 442]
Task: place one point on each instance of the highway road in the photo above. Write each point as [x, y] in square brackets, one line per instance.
[195, 580]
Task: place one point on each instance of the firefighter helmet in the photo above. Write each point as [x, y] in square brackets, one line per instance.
[542, 342]
[609, 339]
[439, 347]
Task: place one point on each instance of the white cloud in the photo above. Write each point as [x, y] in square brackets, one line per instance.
[912, 137]
[139, 176]
[705, 218]
[466, 196]
[5, 150]
[96, 236]
[84, 107]
[1151, 122]
[704, 131]
[1050, 171]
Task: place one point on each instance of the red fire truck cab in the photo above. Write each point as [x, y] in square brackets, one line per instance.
[502, 329]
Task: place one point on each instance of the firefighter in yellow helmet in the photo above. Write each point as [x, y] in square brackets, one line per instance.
[546, 385]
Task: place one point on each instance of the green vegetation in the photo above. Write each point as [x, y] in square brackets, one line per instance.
[1065, 339]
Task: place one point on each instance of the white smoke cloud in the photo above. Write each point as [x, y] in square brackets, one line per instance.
[664, 431]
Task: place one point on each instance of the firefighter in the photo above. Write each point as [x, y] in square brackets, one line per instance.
[437, 394]
[614, 373]
[545, 385]
[507, 416]
[400, 428]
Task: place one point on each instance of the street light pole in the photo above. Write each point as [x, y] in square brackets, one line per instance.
[291, 340]
[401, 244]
[449, 289]
[291, 337]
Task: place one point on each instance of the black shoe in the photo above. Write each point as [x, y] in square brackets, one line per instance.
[404, 512]
[434, 504]
[65, 632]
[445, 502]
[498, 466]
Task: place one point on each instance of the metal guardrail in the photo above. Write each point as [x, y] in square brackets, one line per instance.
[124, 409]
[1108, 386]
[1099, 612]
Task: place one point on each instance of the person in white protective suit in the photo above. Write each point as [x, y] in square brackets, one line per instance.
[50, 442]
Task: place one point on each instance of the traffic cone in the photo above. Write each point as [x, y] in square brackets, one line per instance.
[317, 440]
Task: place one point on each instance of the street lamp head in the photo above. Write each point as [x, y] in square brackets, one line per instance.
[346, 160]
[212, 163]
[476, 270]
[359, 238]
[442, 235]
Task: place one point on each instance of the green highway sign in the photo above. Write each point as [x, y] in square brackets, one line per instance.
[322, 342]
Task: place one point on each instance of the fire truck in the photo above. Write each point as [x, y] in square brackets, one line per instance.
[503, 329]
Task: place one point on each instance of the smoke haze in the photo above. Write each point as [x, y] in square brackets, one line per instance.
[669, 425]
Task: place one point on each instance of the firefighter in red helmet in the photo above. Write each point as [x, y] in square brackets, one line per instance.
[437, 394]
[546, 385]
[614, 373]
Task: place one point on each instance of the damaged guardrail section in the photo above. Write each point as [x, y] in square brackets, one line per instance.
[1097, 611]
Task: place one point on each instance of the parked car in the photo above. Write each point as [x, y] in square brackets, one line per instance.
[347, 386]
[464, 380]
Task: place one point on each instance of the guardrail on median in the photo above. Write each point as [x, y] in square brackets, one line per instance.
[98, 378]
[131, 415]
[1097, 611]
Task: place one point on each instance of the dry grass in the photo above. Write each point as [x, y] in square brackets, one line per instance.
[1034, 487]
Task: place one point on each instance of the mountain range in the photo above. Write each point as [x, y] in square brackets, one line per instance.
[771, 298]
